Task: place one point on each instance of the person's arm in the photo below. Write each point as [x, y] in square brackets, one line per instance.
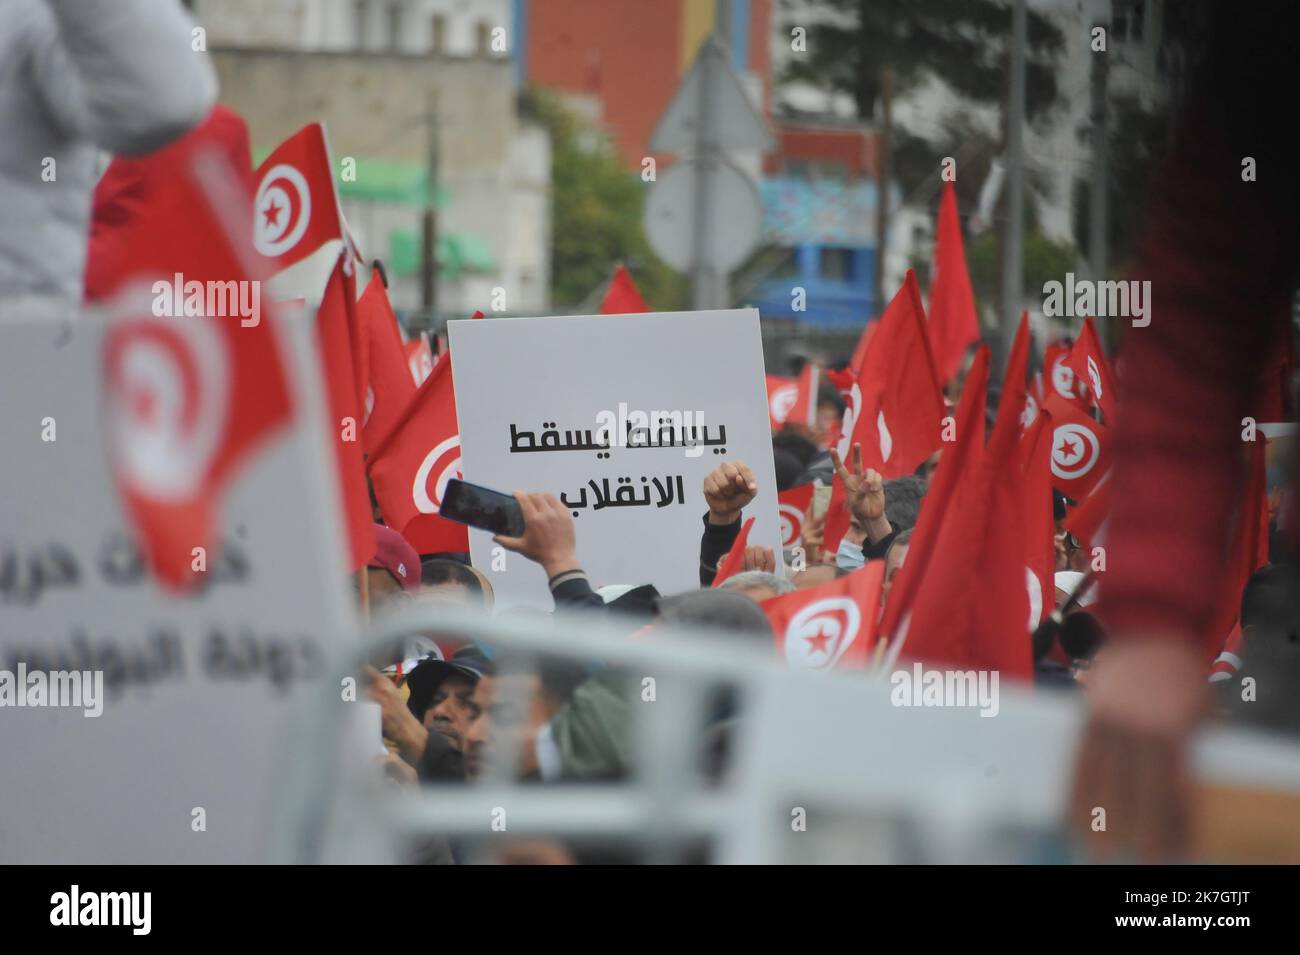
[400, 725]
[549, 540]
[727, 489]
[715, 543]
[123, 74]
[573, 589]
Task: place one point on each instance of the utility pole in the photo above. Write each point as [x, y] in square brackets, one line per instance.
[885, 161]
[1013, 272]
[704, 275]
[429, 224]
[1098, 187]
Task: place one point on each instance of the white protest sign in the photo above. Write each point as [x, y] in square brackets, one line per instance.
[183, 761]
[621, 417]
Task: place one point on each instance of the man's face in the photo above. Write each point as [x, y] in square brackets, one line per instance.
[501, 717]
[447, 592]
[828, 419]
[452, 710]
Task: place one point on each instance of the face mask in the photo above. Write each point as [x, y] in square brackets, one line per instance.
[849, 556]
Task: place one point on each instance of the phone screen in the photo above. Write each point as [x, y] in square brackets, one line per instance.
[482, 507]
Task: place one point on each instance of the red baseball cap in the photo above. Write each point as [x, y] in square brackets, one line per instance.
[396, 556]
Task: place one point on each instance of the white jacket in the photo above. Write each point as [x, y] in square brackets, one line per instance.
[77, 76]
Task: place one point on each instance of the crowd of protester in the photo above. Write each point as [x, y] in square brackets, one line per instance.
[442, 701]
[449, 707]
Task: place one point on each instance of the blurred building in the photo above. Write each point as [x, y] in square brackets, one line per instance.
[1144, 63]
[422, 94]
[618, 62]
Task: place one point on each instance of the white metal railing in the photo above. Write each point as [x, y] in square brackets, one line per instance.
[877, 782]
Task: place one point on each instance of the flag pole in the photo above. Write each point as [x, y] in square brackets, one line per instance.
[1012, 247]
[363, 584]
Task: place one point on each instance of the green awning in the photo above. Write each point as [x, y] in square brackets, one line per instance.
[383, 180]
[457, 252]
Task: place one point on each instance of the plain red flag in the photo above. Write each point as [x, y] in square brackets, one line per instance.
[412, 466]
[336, 328]
[860, 349]
[1087, 521]
[831, 626]
[954, 322]
[960, 458]
[295, 207]
[1015, 390]
[735, 558]
[188, 397]
[971, 610]
[1249, 549]
[622, 296]
[389, 386]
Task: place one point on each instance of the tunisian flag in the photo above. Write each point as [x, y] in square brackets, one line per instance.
[419, 359]
[126, 190]
[1040, 528]
[830, 626]
[804, 409]
[295, 208]
[792, 507]
[411, 467]
[337, 337]
[1061, 379]
[781, 396]
[1080, 449]
[622, 297]
[389, 386]
[1088, 361]
[954, 324]
[187, 398]
[899, 420]
[846, 383]
[901, 417]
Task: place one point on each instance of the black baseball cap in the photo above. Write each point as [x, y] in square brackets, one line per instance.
[467, 662]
